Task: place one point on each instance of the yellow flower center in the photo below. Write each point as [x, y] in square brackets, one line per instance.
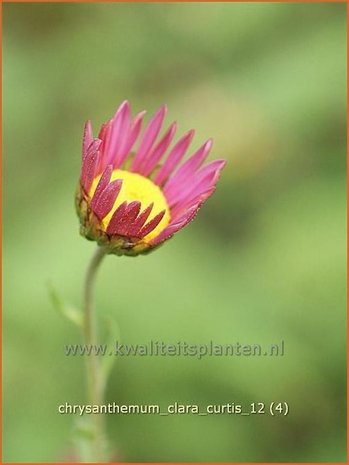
[137, 187]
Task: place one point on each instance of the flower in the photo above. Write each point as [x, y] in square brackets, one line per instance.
[126, 200]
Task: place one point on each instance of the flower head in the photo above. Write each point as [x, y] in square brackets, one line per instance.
[127, 200]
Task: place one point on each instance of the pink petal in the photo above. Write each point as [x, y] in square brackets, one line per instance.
[107, 199]
[188, 203]
[149, 227]
[90, 164]
[213, 166]
[188, 168]
[116, 218]
[174, 157]
[119, 123]
[202, 180]
[157, 152]
[150, 134]
[131, 138]
[127, 219]
[102, 184]
[139, 222]
[176, 225]
[133, 210]
[103, 130]
[198, 184]
[87, 138]
[104, 134]
[124, 133]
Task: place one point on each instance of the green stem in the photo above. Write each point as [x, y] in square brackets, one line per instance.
[95, 379]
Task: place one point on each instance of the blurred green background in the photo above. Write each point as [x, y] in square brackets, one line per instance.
[263, 261]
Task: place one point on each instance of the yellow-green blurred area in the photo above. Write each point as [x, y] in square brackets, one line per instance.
[264, 260]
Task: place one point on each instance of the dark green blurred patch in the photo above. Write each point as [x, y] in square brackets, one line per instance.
[264, 260]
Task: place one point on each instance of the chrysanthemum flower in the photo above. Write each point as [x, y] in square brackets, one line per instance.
[127, 200]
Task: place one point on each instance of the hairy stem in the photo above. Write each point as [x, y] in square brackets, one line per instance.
[95, 379]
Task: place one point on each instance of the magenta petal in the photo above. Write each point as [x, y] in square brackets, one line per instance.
[189, 202]
[149, 227]
[116, 218]
[125, 127]
[215, 166]
[132, 211]
[199, 183]
[130, 214]
[176, 225]
[90, 164]
[88, 170]
[188, 168]
[102, 131]
[133, 133]
[202, 180]
[150, 134]
[174, 157]
[119, 122]
[139, 222]
[87, 139]
[184, 218]
[158, 151]
[104, 135]
[102, 184]
[107, 198]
